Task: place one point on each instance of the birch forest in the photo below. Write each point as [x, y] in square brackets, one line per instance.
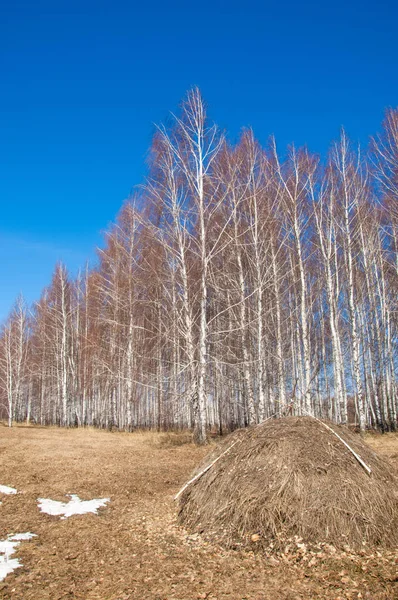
[237, 283]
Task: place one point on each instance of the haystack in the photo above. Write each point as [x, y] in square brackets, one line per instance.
[293, 477]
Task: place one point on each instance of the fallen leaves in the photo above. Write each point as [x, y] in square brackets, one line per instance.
[135, 549]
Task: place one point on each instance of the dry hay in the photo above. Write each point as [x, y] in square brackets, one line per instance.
[292, 477]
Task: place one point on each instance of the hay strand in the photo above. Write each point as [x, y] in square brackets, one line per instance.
[359, 459]
[203, 471]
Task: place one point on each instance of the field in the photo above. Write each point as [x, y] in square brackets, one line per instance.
[134, 547]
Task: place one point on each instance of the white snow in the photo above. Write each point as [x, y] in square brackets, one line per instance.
[4, 489]
[7, 549]
[75, 506]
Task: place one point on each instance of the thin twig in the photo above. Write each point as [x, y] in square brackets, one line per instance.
[267, 419]
[359, 459]
[204, 470]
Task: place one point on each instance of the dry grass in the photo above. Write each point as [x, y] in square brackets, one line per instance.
[134, 548]
[293, 477]
[170, 438]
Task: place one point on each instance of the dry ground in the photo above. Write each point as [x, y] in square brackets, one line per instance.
[134, 549]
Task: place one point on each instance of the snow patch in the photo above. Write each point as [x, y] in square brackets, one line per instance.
[7, 549]
[75, 506]
[4, 489]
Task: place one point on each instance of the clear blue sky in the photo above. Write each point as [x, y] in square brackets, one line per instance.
[83, 82]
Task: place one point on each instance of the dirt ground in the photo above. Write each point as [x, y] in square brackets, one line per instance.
[134, 548]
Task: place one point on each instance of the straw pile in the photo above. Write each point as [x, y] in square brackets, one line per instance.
[293, 477]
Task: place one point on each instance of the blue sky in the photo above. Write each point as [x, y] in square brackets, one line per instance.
[83, 82]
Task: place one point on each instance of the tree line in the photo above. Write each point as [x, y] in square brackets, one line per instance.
[235, 285]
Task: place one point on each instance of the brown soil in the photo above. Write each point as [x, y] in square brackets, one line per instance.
[134, 549]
